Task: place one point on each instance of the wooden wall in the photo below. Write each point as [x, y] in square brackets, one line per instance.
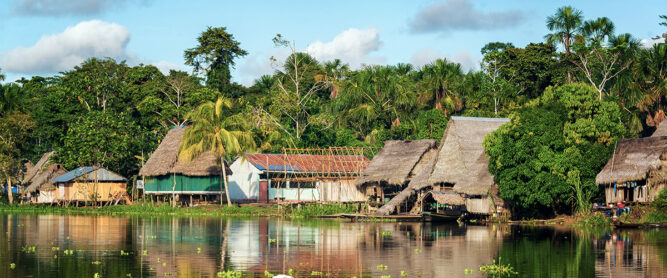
[479, 205]
[340, 191]
[81, 191]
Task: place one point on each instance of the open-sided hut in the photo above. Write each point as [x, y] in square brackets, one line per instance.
[165, 174]
[392, 168]
[90, 184]
[462, 165]
[37, 179]
[297, 177]
[637, 170]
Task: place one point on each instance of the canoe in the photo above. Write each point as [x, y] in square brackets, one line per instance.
[437, 217]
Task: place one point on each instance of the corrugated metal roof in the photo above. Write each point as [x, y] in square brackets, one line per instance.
[88, 173]
[306, 163]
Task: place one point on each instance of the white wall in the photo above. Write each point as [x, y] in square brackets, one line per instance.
[244, 182]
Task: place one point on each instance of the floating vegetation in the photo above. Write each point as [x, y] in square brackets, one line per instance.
[230, 274]
[199, 252]
[272, 240]
[404, 274]
[385, 233]
[497, 269]
[97, 275]
[96, 262]
[382, 267]
[145, 252]
[29, 249]
[315, 273]
[12, 266]
[55, 248]
[123, 253]
[68, 252]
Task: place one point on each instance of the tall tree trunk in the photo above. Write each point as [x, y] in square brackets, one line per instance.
[9, 190]
[224, 179]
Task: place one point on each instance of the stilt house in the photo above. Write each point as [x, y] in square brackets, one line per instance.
[90, 184]
[164, 174]
[392, 168]
[38, 180]
[637, 171]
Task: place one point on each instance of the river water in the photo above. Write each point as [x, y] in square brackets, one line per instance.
[86, 246]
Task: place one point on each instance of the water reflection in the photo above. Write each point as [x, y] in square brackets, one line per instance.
[201, 247]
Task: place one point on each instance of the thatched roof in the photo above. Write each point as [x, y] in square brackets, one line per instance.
[461, 160]
[165, 159]
[37, 168]
[633, 159]
[661, 130]
[42, 180]
[394, 164]
[448, 198]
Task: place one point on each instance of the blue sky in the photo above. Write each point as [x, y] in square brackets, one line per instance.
[43, 37]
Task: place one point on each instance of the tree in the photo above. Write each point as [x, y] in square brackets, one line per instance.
[215, 56]
[295, 91]
[216, 130]
[565, 25]
[546, 159]
[97, 84]
[598, 30]
[440, 82]
[102, 139]
[14, 130]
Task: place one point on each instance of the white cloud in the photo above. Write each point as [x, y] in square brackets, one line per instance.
[352, 46]
[63, 51]
[648, 43]
[165, 66]
[428, 55]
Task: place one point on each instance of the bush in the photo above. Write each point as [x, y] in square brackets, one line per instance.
[660, 202]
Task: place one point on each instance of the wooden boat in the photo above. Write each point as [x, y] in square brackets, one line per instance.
[639, 225]
[400, 217]
[439, 217]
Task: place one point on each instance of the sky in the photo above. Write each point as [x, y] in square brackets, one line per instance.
[45, 37]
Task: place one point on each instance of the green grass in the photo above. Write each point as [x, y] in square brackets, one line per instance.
[166, 209]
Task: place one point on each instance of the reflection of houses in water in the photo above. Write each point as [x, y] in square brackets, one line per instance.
[429, 250]
[628, 254]
[82, 232]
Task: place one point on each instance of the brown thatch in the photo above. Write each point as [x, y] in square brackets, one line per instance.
[37, 168]
[165, 159]
[394, 164]
[661, 130]
[461, 160]
[448, 198]
[633, 159]
[42, 180]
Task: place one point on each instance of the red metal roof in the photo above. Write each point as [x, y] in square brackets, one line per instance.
[306, 163]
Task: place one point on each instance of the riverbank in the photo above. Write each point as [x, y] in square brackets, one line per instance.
[146, 209]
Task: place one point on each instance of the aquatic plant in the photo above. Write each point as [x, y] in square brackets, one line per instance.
[386, 233]
[404, 274]
[230, 274]
[12, 266]
[497, 269]
[28, 249]
[382, 267]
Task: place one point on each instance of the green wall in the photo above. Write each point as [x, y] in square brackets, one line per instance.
[183, 183]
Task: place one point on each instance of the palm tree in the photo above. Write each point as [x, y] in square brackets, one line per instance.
[597, 30]
[215, 129]
[564, 24]
[440, 80]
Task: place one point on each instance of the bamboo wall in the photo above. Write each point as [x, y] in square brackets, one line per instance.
[479, 205]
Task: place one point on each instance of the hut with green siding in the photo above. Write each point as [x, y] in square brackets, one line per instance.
[165, 175]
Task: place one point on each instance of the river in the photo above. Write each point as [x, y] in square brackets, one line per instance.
[86, 246]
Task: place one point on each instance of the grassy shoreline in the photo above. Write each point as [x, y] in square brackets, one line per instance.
[307, 210]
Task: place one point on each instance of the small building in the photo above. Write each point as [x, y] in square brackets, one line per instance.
[463, 167]
[454, 176]
[165, 174]
[90, 183]
[37, 180]
[296, 177]
[392, 168]
[637, 170]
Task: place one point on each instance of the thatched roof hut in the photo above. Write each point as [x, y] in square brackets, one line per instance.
[165, 159]
[395, 164]
[33, 170]
[42, 180]
[461, 160]
[633, 160]
[661, 130]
